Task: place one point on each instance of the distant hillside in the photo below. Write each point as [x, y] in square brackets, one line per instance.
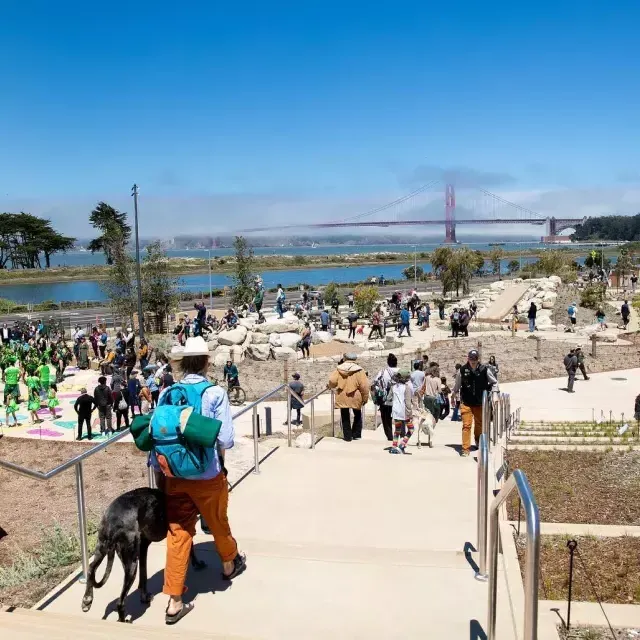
[609, 228]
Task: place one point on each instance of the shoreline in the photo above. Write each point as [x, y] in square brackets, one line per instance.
[197, 266]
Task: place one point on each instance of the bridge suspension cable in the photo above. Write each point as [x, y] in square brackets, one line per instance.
[530, 212]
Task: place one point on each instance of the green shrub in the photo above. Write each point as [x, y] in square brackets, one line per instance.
[593, 296]
[365, 299]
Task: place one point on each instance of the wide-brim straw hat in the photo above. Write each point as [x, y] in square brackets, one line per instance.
[193, 347]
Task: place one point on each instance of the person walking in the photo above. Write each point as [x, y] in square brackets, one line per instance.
[405, 320]
[102, 343]
[104, 402]
[472, 380]
[571, 365]
[305, 341]
[133, 389]
[152, 383]
[580, 357]
[325, 320]
[297, 387]
[601, 318]
[441, 309]
[121, 406]
[143, 352]
[402, 411]
[417, 376]
[352, 385]
[463, 321]
[455, 325]
[352, 319]
[280, 298]
[625, 312]
[83, 354]
[572, 313]
[207, 494]
[84, 407]
[382, 395]
[376, 324]
[531, 315]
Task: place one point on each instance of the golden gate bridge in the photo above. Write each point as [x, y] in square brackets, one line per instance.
[420, 208]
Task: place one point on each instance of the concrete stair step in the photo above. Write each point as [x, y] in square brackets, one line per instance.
[30, 624]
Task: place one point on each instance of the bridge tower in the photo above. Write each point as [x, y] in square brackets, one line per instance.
[450, 214]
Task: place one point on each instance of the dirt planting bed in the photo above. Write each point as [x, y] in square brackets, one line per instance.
[30, 510]
[606, 567]
[582, 486]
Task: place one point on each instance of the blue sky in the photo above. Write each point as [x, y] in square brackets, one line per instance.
[228, 115]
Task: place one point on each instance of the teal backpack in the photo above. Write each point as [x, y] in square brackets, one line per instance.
[182, 440]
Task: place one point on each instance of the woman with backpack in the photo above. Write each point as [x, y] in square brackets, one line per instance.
[206, 493]
[381, 391]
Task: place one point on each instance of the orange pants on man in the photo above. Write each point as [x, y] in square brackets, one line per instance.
[470, 415]
[185, 500]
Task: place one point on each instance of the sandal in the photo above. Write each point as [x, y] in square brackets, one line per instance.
[239, 565]
[176, 617]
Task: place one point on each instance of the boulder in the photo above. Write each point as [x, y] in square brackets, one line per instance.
[233, 336]
[374, 345]
[247, 322]
[497, 286]
[258, 352]
[212, 343]
[278, 326]
[557, 280]
[259, 338]
[237, 353]
[284, 340]
[283, 353]
[608, 335]
[248, 340]
[321, 337]
[344, 340]
[221, 355]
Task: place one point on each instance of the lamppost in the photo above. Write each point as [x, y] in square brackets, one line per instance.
[134, 193]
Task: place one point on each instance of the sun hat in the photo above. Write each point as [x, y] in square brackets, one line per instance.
[193, 347]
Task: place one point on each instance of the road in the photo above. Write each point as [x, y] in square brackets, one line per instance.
[83, 317]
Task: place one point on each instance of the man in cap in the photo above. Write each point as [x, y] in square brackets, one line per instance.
[472, 380]
[571, 365]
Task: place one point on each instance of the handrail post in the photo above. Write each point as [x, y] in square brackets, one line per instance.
[313, 424]
[333, 413]
[151, 476]
[288, 415]
[256, 443]
[518, 481]
[486, 421]
[82, 523]
[483, 498]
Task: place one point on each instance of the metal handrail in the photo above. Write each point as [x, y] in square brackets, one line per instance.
[518, 480]
[483, 499]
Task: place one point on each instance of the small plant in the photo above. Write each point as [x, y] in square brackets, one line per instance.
[365, 299]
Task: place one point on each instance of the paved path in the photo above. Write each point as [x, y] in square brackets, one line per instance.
[343, 541]
[548, 399]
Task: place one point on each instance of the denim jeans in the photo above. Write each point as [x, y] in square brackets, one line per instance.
[532, 324]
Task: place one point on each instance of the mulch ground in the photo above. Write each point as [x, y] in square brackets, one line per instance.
[582, 486]
[29, 507]
[605, 568]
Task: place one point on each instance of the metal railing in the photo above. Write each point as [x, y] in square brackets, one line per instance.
[77, 463]
[517, 480]
[311, 401]
[483, 498]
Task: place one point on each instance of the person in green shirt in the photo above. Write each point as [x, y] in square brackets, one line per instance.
[44, 373]
[11, 377]
[258, 299]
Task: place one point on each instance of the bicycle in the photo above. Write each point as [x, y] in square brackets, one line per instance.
[237, 395]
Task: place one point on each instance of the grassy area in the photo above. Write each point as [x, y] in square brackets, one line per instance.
[582, 486]
[34, 573]
[608, 567]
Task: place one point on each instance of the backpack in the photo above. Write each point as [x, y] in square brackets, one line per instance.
[184, 445]
[382, 391]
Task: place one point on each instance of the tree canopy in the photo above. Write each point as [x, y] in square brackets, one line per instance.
[110, 222]
[609, 228]
[456, 267]
[24, 237]
[243, 276]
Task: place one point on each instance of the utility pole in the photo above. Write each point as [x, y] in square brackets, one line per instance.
[134, 193]
[415, 268]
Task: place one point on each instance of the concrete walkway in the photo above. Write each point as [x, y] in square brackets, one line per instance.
[548, 399]
[344, 541]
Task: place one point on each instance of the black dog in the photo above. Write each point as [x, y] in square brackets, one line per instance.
[130, 524]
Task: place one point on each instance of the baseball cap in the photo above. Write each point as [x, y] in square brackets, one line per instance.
[473, 354]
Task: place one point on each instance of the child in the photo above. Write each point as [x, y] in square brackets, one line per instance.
[53, 401]
[34, 403]
[600, 317]
[401, 410]
[10, 410]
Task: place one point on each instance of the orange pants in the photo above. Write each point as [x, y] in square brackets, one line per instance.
[470, 415]
[185, 499]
